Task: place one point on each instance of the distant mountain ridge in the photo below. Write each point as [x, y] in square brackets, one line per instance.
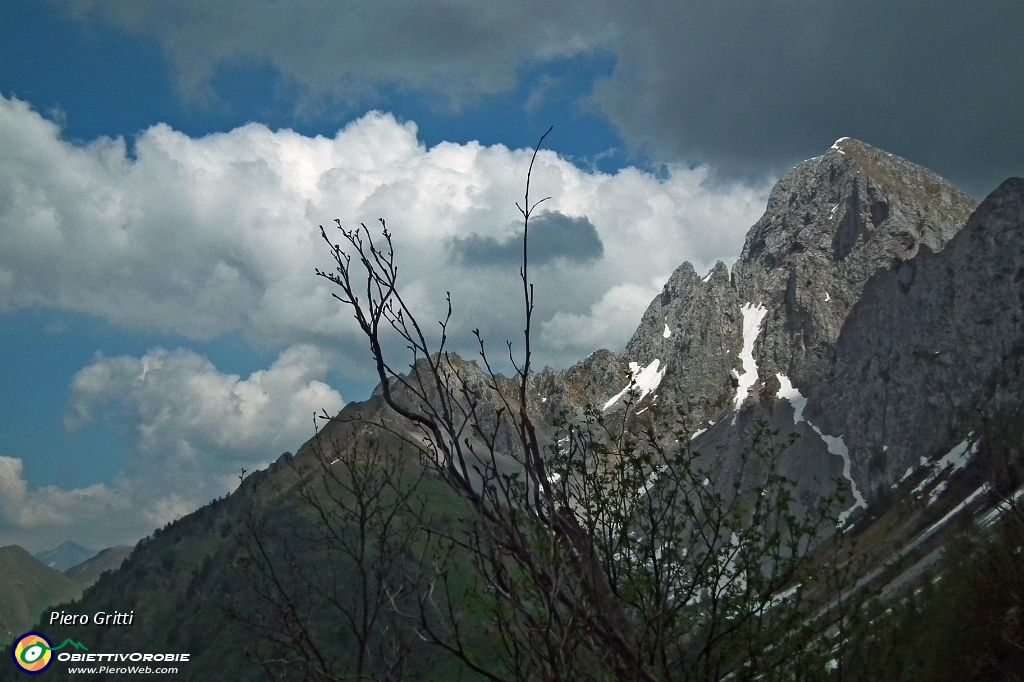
[90, 570]
[65, 555]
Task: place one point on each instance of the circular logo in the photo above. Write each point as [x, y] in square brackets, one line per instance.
[31, 652]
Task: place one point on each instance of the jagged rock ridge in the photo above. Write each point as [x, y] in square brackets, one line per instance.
[829, 225]
[853, 230]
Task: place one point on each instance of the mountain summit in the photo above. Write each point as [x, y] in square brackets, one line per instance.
[830, 224]
[66, 555]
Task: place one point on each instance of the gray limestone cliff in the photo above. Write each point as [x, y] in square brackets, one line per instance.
[927, 346]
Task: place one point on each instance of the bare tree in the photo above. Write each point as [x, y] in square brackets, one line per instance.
[609, 554]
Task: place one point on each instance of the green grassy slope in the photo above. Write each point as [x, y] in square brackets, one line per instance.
[184, 580]
[27, 587]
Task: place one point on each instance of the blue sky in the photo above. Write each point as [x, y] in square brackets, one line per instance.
[165, 167]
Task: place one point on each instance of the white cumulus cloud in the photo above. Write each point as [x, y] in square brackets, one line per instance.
[205, 236]
[30, 516]
[184, 406]
[614, 317]
[201, 237]
[195, 428]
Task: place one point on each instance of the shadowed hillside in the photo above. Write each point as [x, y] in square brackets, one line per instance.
[89, 571]
[27, 587]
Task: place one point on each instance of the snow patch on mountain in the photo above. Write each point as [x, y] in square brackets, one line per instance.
[934, 494]
[954, 460]
[667, 333]
[752, 318]
[642, 382]
[935, 527]
[792, 394]
[1000, 509]
[835, 145]
[837, 446]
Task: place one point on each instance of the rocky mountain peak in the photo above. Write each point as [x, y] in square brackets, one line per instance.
[856, 202]
[723, 350]
[830, 223]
